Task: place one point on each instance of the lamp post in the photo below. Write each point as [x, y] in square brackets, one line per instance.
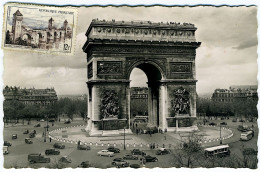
[220, 134]
[124, 138]
[45, 135]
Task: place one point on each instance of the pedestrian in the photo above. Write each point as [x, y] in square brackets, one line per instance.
[150, 132]
[137, 131]
[34, 131]
[50, 139]
[43, 134]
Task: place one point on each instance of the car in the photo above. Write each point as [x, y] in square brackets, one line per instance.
[149, 158]
[251, 120]
[241, 120]
[67, 121]
[205, 120]
[65, 159]
[119, 162]
[130, 157]
[6, 143]
[84, 164]
[137, 152]
[105, 153]
[52, 151]
[47, 126]
[250, 151]
[135, 166]
[51, 120]
[32, 135]
[162, 151]
[113, 149]
[59, 146]
[5, 150]
[242, 128]
[234, 120]
[28, 141]
[212, 124]
[37, 158]
[37, 125]
[14, 136]
[223, 123]
[26, 132]
[222, 118]
[83, 147]
[42, 120]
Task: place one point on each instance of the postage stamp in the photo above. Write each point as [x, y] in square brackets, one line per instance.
[39, 28]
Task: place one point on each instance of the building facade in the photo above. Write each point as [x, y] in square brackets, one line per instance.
[45, 38]
[139, 101]
[31, 96]
[235, 93]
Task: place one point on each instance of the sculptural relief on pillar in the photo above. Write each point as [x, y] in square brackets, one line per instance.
[109, 104]
[181, 102]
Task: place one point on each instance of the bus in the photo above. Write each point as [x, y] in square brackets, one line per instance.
[247, 135]
[141, 119]
[221, 150]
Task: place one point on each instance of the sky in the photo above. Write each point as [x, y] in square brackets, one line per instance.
[227, 55]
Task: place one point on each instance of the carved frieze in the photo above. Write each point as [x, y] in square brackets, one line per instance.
[109, 104]
[181, 102]
[180, 68]
[109, 68]
[90, 70]
[143, 49]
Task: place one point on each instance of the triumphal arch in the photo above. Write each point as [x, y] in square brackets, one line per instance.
[164, 51]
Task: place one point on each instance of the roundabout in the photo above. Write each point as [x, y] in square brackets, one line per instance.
[73, 134]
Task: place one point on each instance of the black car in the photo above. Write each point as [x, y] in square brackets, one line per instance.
[138, 152]
[113, 149]
[212, 124]
[83, 147]
[37, 125]
[84, 164]
[162, 151]
[241, 120]
[52, 152]
[149, 158]
[32, 135]
[130, 157]
[59, 146]
[234, 120]
[135, 166]
[6, 143]
[51, 120]
[223, 123]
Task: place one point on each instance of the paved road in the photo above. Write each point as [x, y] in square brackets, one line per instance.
[19, 150]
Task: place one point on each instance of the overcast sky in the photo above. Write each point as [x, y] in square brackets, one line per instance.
[227, 56]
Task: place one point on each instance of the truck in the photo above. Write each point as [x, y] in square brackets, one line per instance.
[37, 158]
[5, 150]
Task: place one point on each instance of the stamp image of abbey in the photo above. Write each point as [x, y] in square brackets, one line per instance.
[164, 51]
[43, 38]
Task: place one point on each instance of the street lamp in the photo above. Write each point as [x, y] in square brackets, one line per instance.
[220, 134]
[124, 138]
[45, 135]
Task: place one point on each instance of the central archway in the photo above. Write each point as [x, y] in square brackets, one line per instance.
[154, 76]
